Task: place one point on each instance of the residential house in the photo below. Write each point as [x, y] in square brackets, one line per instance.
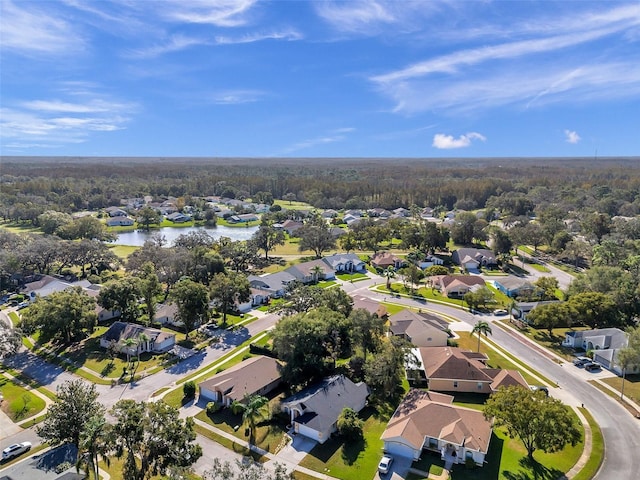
[353, 211]
[513, 286]
[329, 214]
[351, 219]
[402, 212]
[605, 343]
[379, 212]
[384, 260]
[337, 232]
[177, 217]
[371, 306]
[419, 328]
[116, 212]
[167, 313]
[474, 258]
[257, 297]
[273, 283]
[456, 285]
[146, 339]
[306, 272]
[314, 411]
[520, 310]
[292, 226]
[345, 262]
[253, 376]
[103, 315]
[427, 212]
[243, 218]
[119, 221]
[428, 420]
[450, 369]
[427, 261]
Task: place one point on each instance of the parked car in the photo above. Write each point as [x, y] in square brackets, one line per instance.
[23, 305]
[385, 464]
[500, 312]
[591, 366]
[541, 388]
[15, 450]
[581, 361]
[209, 329]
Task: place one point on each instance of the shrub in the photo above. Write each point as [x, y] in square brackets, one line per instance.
[470, 463]
[189, 389]
[212, 407]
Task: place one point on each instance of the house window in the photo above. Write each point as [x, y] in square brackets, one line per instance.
[479, 385]
[455, 384]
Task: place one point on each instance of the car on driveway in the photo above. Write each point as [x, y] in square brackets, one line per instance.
[539, 388]
[15, 450]
[385, 464]
[500, 312]
[592, 366]
[581, 361]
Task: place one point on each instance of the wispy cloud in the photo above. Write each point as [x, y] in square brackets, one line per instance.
[446, 142]
[221, 13]
[289, 35]
[572, 136]
[58, 122]
[336, 135]
[175, 43]
[27, 29]
[235, 97]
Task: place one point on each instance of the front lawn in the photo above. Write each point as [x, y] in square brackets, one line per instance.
[270, 432]
[552, 342]
[351, 277]
[19, 403]
[351, 460]
[631, 386]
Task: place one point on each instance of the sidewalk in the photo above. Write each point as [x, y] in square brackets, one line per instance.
[7, 426]
[289, 457]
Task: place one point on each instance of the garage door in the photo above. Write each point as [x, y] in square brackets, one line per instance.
[400, 449]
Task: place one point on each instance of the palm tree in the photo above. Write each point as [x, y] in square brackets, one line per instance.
[252, 409]
[481, 327]
[93, 444]
[127, 343]
[316, 272]
[389, 273]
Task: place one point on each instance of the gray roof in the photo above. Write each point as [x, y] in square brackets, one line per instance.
[511, 282]
[273, 281]
[322, 403]
[618, 337]
[342, 258]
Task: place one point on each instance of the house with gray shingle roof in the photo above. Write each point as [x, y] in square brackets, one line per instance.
[146, 339]
[314, 411]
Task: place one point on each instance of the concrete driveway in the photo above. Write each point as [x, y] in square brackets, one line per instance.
[399, 469]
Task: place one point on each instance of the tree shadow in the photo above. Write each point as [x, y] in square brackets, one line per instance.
[352, 448]
[533, 470]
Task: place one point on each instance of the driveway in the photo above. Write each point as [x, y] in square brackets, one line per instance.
[399, 469]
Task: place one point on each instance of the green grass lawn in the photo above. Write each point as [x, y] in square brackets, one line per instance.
[19, 403]
[123, 251]
[285, 204]
[351, 460]
[597, 450]
[631, 385]
[20, 227]
[553, 342]
[270, 432]
[14, 317]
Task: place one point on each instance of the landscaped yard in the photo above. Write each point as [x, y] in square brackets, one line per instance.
[351, 460]
[270, 432]
[631, 385]
[19, 403]
[553, 342]
[348, 277]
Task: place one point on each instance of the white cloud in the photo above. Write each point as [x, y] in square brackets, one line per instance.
[354, 16]
[26, 29]
[222, 13]
[234, 97]
[336, 135]
[174, 44]
[59, 122]
[572, 136]
[445, 142]
[289, 35]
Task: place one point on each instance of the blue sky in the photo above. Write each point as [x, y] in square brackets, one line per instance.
[247, 78]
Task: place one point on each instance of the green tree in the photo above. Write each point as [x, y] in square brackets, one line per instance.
[267, 237]
[595, 309]
[316, 236]
[540, 422]
[467, 227]
[367, 330]
[385, 371]
[67, 418]
[148, 216]
[10, 340]
[546, 288]
[51, 220]
[435, 270]
[122, 295]
[253, 409]
[153, 438]
[388, 274]
[192, 300]
[246, 470]
[61, 315]
[227, 290]
[149, 288]
[481, 327]
[629, 356]
[94, 444]
[349, 424]
[552, 315]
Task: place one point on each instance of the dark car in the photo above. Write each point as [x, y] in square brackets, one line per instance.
[592, 366]
[539, 388]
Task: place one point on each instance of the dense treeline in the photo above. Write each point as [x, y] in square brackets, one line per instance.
[605, 185]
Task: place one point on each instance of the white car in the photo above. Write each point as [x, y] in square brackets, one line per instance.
[15, 450]
[385, 464]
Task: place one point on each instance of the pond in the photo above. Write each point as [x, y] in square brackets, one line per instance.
[138, 237]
